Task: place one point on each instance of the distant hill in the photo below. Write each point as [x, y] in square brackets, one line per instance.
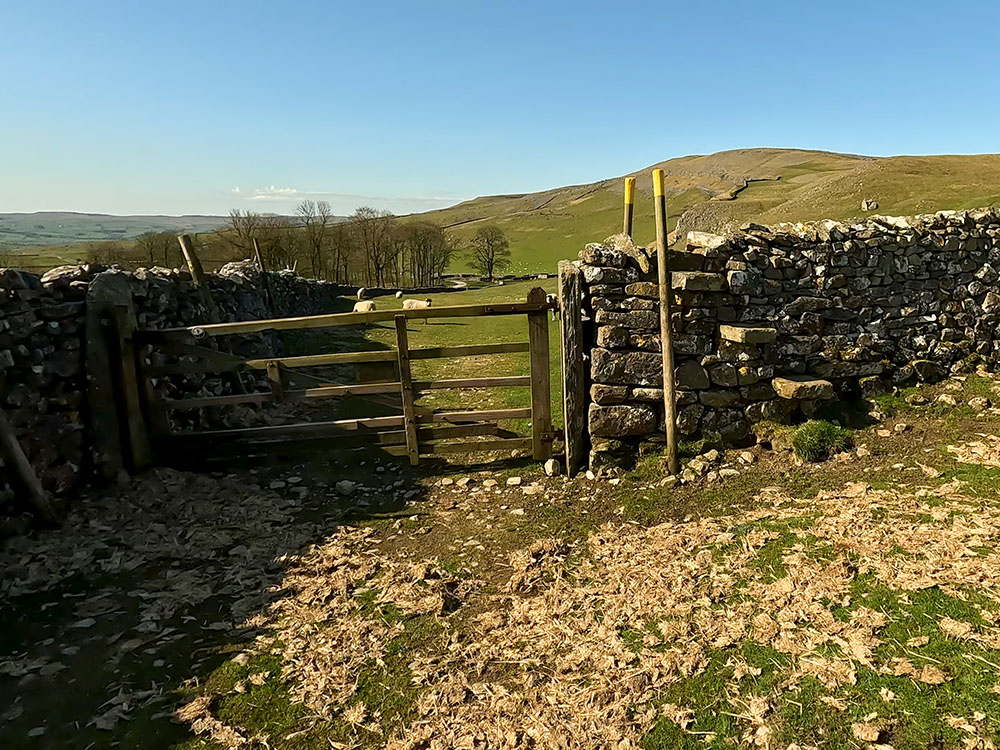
[709, 192]
[724, 190]
[68, 227]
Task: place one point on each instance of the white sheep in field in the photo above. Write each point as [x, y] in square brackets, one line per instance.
[416, 304]
[366, 305]
[361, 293]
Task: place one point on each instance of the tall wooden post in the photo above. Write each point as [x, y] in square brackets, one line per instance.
[406, 390]
[264, 280]
[103, 390]
[258, 256]
[135, 420]
[198, 274]
[191, 258]
[573, 369]
[538, 353]
[666, 329]
[629, 202]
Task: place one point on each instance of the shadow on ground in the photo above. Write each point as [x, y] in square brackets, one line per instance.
[141, 594]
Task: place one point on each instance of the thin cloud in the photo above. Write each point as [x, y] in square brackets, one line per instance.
[275, 193]
[345, 202]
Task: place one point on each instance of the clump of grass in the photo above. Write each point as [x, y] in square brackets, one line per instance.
[817, 440]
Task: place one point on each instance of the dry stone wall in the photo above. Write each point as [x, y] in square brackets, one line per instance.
[770, 323]
[43, 351]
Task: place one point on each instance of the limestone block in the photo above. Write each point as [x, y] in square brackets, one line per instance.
[697, 281]
[615, 421]
[802, 387]
[744, 334]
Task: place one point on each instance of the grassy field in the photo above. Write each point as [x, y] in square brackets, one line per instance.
[54, 228]
[500, 329]
[791, 185]
[455, 332]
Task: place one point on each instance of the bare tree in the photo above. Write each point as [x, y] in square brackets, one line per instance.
[490, 254]
[110, 253]
[159, 248]
[280, 240]
[426, 250]
[239, 232]
[374, 232]
[280, 237]
[317, 219]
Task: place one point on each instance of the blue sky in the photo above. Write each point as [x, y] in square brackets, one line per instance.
[170, 107]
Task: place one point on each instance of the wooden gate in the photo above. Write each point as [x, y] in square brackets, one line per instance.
[151, 357]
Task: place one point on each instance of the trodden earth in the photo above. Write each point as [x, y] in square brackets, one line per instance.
[767, 603]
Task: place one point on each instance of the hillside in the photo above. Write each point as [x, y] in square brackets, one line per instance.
[44, 228]
[708, 193]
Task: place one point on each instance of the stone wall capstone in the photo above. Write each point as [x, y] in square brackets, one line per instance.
[770, 323]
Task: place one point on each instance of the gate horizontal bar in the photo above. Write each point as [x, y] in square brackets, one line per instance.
[340, 358]
[324, 359]
[474, 416]
[439, 352]
[300, 428]
[333, 391]
[341, 319]
[497, 382]
[435, 432]
[477, 446]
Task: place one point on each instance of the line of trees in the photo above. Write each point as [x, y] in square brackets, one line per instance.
[371, 248]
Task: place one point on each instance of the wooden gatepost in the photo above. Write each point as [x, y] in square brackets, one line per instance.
[573, 367]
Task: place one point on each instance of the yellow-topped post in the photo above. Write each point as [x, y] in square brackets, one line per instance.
[629, 201]
[666, 331]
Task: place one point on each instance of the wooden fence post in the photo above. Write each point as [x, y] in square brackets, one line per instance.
[265, 281]
[666, 325]
[275, 381]
[541, 406]
[573, 372]
[135, 421]
[198, 274]
[103, 402]
[629, 205]
[23, 469]
[406, 390]
[258, 256]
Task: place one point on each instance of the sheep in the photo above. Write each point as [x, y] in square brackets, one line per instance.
[361, 293]
[399, 295]
[416, 304]
[366, 305]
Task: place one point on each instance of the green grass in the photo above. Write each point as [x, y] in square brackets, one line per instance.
[68, 229]
[912, 720]
[384, 686]
[552, 225]
[457, 332]
[817, 440]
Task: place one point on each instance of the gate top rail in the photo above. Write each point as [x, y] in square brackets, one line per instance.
[340, 319]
